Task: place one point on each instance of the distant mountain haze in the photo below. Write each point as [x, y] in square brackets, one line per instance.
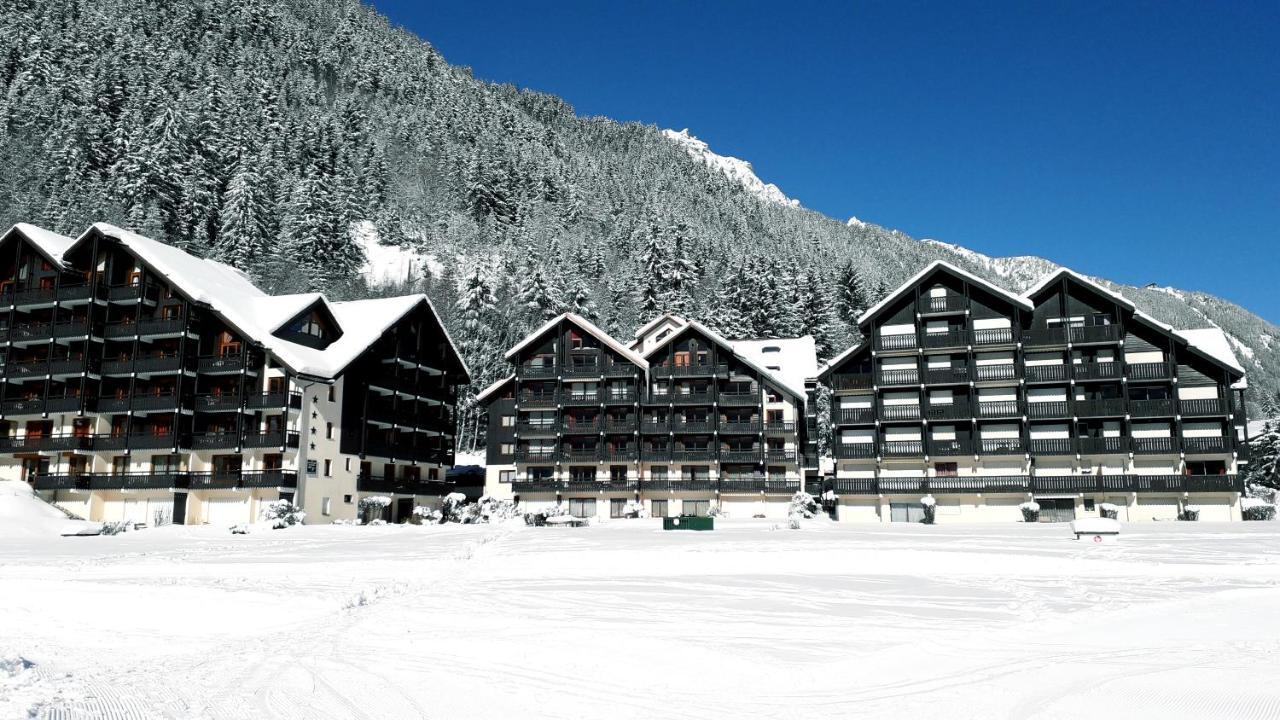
[296, 139]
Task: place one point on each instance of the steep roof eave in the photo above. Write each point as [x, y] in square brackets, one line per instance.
[718, 339]
[586, 325]
[991, 287]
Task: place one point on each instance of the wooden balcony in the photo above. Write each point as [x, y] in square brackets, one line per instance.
[993, 336]
[1103, 445]
[1203, 407]
[988, 373]
[900, 412]
[1149, 371]
[1001, 446]
[942, 304]
[1087, 371]
[897, 342]
[947, 376]
[1152, 408]
[950, 447]
[902, 448]
[950, 339]
[1206, 445]
[1053, 409]
[1105, 407]
[690, 371]
[999, 409]
[853, 451]
[1052, 446]
[1046, 373]
[898, 377]
[856, 381]
[739, 399]
[1154, 445]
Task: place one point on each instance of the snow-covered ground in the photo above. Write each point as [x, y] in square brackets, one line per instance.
[622, 620]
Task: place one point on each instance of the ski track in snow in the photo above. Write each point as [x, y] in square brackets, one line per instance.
[624, 621]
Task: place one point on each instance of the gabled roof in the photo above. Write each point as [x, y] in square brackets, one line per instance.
[644, 329]
[1052, 277]
[1210, 343]
[796, 391]
[50, 244]
[257, 315]
[831, 364]
[495, 387]
[948, 267]
[591, 330]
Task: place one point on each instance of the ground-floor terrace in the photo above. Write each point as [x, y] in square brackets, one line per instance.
[622, 620]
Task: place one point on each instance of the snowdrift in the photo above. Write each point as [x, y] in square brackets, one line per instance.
[24, 515]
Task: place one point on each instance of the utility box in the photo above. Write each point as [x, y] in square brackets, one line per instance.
[688, 522]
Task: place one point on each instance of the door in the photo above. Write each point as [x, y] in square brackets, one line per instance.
[1057, 509]
[906, 512]
[225, 511]
[659, 508]
[404, 509]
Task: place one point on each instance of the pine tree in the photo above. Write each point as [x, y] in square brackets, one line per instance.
[1264, 461]
[581, 304]
[243, 238]
[817, 315]
[851, 294]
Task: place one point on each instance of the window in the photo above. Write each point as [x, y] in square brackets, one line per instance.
[617, 507]
[433, 474]
[658, 508]
[346, 499]
[328, 468]
[575, 340]
[333, 392]
[771, 395]
[947, 469]
[582, 474]
[506, 476]
[618, 473]
[328, 431]
[771, 349]
[774, 417]
[346, 464]
[700, 508]
[324, 506]
[658, 474]
[508, 420]
[506, 449]
[582, 507]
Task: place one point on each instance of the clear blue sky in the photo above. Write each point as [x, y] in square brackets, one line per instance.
[1140, 143]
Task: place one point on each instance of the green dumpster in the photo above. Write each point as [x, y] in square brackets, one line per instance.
[688, 522]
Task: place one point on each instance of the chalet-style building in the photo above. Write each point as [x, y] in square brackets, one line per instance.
[679, 419]
[142, 383]
[1066, 394]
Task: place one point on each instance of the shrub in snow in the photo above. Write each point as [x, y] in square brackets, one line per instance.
[540, 518]
[930, 509]
[115, 527]
[1030, 511]
[794, 522]
[717, 512]
[828, 496]
[424, 515]
[454, 508]
[239, 529]
[1189, 513]
[1257, 509]
[378, 521]
[1109, 511]
[371, 507]
[493, 510]
[282, 514]
[803, 505]
[636, 509]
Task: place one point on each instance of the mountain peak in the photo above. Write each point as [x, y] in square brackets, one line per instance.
[735, 169]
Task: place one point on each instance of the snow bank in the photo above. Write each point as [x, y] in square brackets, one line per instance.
[24, 515]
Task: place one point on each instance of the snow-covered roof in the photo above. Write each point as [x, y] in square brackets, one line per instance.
[828, 365]
[1212, 342]
[1056, 274]
[50, 244]
[257, 315]
[591, 329]
[674, 318]
[731, 345]
[495, 387]
[936, 264]
[795, 358]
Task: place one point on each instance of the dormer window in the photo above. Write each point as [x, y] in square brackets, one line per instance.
[771, 349]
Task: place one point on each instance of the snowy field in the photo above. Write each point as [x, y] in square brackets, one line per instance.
[622, 620]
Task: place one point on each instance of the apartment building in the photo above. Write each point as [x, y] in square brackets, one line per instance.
[679, 420]
[1066, 394]
[141, 383]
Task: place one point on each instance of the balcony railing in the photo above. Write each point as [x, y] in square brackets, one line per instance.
[850, 416]
[1149, 371]
[1105, 407]
[1103, 445]
[950, 447]
[220, 364]
[739, 399]
[1095, 334]
[942, 304]
[691, 398]
[653, 425]
[1000, 446]
[1045, 337]
[1046, 373]
[999, 409]
[1206, 445]
[779, 427]
[958, 410]
[899, 377]
[540, 428]
[897, 342]
[739, 427]
[948, 339]
[1052, 446]
[690, 370]
[537, 371]
[524, 455]
[620, 425]
[272, 400]
[732, 484]
[1154, 445]
[993, 336]
[740, 456]
[782, 456]
[1004, 371]
[1096, 370]
[39, 406]
[901, 412]
[1038, 484]
[657, 453]
[1203, 407]
[132, 291]
[539, 400]
[1151, 408]
[1047, 410]
[139, 481]
[901, 448]
[619, 454]
[220, 402]
[853, 451]
[38, 443]
[579, 427]
[859, 381]
[620, 370]
[693, 455]
[946, 376]
[537, 485]
[582, 371]
[60, 482]
[619, 398]
[692, 426]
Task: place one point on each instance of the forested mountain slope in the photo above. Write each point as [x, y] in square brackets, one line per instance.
[276, 134]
